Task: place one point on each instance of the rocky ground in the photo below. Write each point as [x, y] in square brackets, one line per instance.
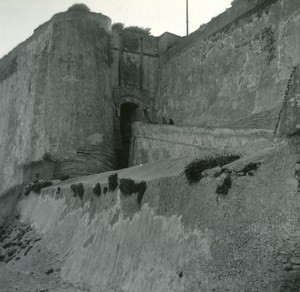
[25, 263]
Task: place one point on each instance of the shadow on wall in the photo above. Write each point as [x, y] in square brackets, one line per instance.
[42, 169]
[128, 115]
[8, 202]
[289, 123]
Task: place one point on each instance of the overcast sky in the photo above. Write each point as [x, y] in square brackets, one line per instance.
[18, 18]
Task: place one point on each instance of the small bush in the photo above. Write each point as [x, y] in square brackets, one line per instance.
[118, 26]
[113, 182]
[194, 169]
[97, 190]
[126, 186]
[224, 187]
[138, 30]
[252, 166]
[78, 190]
[140, 189]
[79, 7]
[105, 189]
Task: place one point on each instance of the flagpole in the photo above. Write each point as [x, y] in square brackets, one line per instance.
[187, 17]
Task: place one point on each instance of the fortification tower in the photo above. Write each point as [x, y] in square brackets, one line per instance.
[55, 98]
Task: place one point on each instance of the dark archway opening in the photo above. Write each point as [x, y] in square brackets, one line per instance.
[128, 115]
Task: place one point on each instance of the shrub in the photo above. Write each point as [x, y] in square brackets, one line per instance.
[118, 26]
[138, 30]
[105, 189]
[113, 181]
[126, 186]
[78, 190]
[140, 188]
[194, 169]
[79, 7]
[252, 166]
[224, 187]
[97, 190]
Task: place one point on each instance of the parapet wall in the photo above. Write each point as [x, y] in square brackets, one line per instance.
[156, 142]
[234, 73]
[55, 98]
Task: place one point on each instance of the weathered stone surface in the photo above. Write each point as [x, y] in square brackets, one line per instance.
[290, 116]
[155, 142]
[56, 96]
[179, 239]
[295, 260]
[234, 73]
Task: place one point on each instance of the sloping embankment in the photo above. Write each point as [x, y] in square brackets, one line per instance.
[181, 238]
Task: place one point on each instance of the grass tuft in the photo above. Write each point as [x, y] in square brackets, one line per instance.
[78, 190]
[126, 186]
[252, 166]
[224, 187]
[105, 189]
[194, 169]
[113, 182]
[97, 190]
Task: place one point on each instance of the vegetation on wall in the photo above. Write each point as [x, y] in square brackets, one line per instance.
[79, 7]
[120, 27]
[112, 181]
[193, 171]
[140, 189]
[223, 188]
[143, 31]
[128, 186]
[78, 190]
[250, 168]
[97, 190]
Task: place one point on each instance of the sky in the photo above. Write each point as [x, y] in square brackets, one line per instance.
[19, 18]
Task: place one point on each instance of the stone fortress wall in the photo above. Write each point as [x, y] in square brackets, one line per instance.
[62, 90]
[235, 70]
[62, 94]
[152, 143]
[55, 98]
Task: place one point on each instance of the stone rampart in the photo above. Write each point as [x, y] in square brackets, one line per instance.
[55, 98]
[235, 72]
[156, 142]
